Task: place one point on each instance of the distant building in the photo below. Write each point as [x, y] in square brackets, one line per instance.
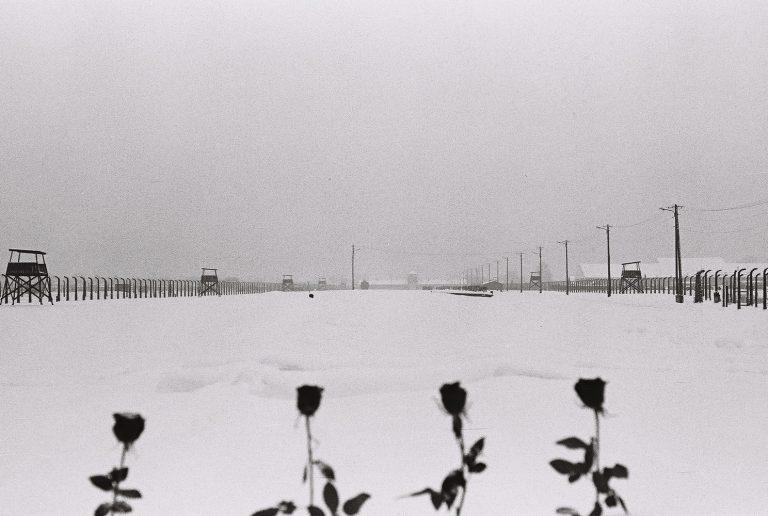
[492, 285]
[411, 282]
[388, 285]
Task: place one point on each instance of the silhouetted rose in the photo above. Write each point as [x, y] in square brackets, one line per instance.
[454, 398]
[128, 427]
[591, 393]
[309, 399]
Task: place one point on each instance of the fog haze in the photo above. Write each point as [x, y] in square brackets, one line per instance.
[154, 138]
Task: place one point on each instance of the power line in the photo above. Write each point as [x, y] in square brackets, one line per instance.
[737, 207]
[644, 221]
[486, 256]
[740, 230]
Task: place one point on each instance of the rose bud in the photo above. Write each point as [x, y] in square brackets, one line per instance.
[591, 393]
[128, 427]
[454, 398]
[309, 399]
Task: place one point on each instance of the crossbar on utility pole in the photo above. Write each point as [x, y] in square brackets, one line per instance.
[567, 277]
[607, 229]
[678, 260]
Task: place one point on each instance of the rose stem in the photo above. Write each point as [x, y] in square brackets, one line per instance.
[310, 465]
[117, 484]
[460, 440]
[597, 451]
[597, 440]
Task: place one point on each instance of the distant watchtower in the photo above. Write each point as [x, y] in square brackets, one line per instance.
[630, 278]
[535, 281]
[287, 282]
[26, 277]
[209, 283]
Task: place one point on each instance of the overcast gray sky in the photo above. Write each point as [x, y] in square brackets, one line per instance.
[265, 137]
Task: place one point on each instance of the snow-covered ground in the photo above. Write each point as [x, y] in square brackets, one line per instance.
[687, 400]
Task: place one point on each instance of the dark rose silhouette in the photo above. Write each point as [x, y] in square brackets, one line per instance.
[128, 427]
[591, 393]
[309, 399]
[454, 398]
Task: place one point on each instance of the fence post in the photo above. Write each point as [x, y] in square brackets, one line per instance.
[765, 289]
[717, 275]
[738, 288]
[756, 292]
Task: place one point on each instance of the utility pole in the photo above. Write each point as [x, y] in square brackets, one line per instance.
[567, 277]
[540, 278]
[489, 272]
[353, 266]
[607, 229]
[521, 273]
[507, 258]
[678, 260]
[497, 271]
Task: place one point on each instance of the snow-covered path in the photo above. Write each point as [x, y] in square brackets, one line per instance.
[686, 402]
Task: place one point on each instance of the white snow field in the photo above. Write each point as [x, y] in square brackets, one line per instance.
[686, 400]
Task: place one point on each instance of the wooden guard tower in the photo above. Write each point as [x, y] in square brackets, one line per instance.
[287, 282]
[535, 281]
[209, 282]
[630, 278]
[24, 276]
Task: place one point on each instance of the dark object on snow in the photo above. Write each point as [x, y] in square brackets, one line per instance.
[716, 296]
[311, 296]
[472, 293]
